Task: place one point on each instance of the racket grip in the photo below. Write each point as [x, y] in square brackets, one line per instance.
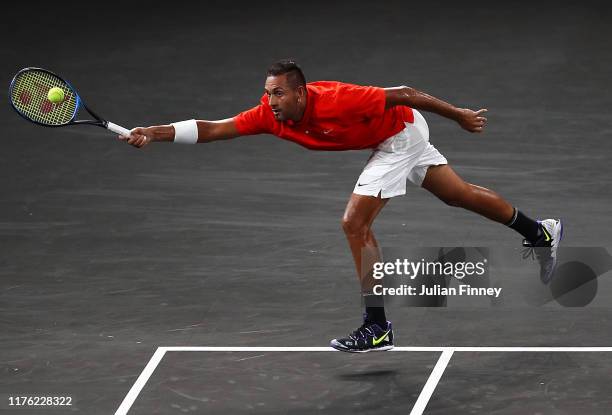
[117, 129]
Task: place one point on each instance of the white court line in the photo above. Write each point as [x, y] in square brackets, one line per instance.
[395, 349]
[447, 353]
[140, 382]
[530, 349]
[432, 382]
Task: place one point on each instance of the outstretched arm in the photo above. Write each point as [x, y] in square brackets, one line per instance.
[472, 121]
[207, 131]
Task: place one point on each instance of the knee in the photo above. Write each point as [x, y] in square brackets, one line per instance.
[458, 197]
[354, 227]
[452, 200]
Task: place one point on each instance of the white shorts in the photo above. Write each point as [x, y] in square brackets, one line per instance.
[404, 156]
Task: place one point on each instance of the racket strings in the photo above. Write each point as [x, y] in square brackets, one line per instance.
[29, 97]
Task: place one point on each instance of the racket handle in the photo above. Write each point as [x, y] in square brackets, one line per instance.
[117, 129]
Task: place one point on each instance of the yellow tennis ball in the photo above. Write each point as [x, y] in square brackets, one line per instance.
[56, 95]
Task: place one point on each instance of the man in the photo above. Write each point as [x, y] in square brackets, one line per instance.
[337, 116]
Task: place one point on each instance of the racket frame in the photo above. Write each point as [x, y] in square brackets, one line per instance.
[99, 121]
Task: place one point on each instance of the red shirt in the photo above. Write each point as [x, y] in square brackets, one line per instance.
[338, 116]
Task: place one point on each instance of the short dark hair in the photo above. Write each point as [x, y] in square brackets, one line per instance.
[294, 73]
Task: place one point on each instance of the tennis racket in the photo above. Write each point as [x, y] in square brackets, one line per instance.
[28, 95]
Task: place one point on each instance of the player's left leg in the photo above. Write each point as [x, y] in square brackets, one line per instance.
[445, 184]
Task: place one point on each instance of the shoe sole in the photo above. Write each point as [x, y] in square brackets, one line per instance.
[377, 349]
[556, 243]
[557, 235]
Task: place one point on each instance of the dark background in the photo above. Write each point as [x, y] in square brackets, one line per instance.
[109, 251]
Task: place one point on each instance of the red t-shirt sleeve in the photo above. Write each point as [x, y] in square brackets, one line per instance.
[361, 101]
[254, 121]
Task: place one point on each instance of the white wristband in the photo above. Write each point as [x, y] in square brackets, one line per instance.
[185, 132]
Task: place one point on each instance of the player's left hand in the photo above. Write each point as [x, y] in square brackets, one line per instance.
[472, 121]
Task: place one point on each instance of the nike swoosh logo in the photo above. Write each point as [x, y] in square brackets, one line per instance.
[546, 234]
[375, 341]
[364, 184]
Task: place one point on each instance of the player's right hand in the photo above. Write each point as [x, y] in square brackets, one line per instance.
[139, 137]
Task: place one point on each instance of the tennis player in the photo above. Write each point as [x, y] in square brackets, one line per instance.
[329, 115]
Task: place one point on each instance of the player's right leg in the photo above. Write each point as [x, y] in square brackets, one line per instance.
[383, 177]
[376, 333]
